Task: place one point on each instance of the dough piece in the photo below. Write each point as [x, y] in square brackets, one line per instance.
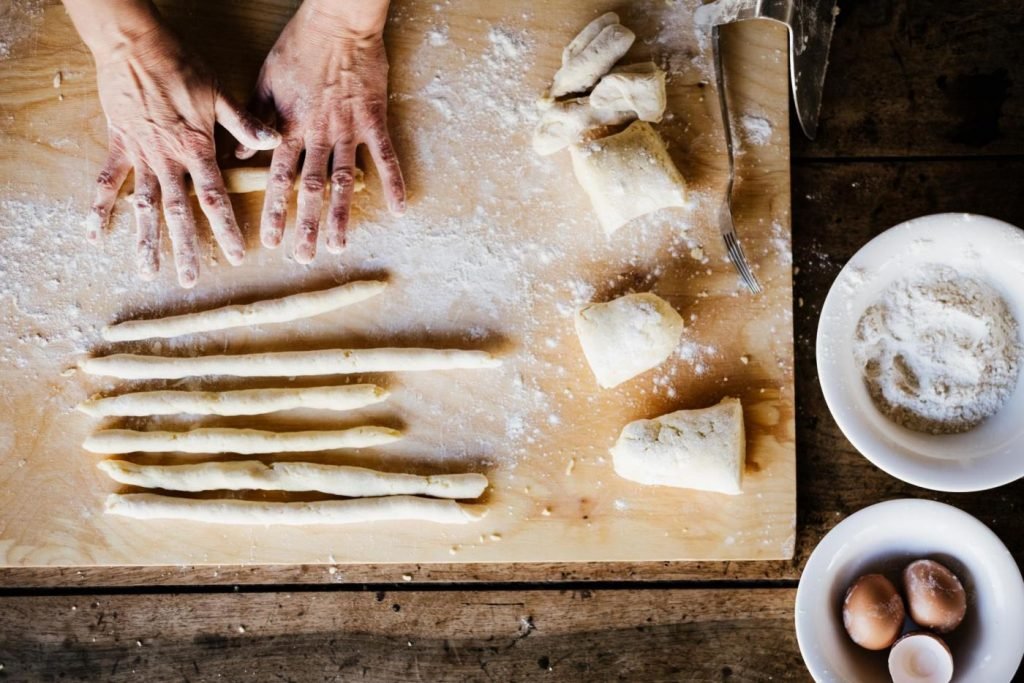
[694, 449]
[355, 511]
[289, 363]
[627, 336]
[565, 122]
[285, 309]
[628, 175]
[246, 179]
[254, 475]
[218, 440]
[591, 54]
[638, 88]
[241, 402]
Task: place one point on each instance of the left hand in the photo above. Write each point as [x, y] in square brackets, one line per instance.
[325, 85]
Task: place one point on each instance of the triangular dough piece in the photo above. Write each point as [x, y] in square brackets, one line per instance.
[627, 336]
[694, 449]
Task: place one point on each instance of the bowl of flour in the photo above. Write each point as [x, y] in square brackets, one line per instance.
[920, 352]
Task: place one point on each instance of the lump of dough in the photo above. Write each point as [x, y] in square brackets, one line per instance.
[627, 336]
[628, 175]
[638, 88]
[694, 449]
[591, 54]
[565, 122]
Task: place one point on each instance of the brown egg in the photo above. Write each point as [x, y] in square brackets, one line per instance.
[873, 612]
[935, 596]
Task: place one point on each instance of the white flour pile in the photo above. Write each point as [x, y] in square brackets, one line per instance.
[940, 351]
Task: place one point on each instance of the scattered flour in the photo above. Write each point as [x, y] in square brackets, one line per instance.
[940, 351]
[755, 130]
[19, 19]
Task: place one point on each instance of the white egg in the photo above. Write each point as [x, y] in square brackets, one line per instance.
[920, 658]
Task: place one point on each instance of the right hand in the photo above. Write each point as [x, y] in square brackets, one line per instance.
[162, 105]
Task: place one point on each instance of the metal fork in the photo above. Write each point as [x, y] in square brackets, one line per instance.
[725, 222]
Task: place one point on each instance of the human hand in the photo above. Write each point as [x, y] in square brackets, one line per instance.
[325, 86]
[162, 105]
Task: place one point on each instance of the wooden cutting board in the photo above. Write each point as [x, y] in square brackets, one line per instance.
[497, 249]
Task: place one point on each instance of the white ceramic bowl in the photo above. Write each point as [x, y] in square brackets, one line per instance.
[991, 454]
[987, 647]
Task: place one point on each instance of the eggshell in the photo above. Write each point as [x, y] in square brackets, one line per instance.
[935, 597]
[873, 612]
[920, 658]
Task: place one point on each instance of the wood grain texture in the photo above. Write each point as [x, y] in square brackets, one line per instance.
[706, 635]
[554, 496]
[931, 78]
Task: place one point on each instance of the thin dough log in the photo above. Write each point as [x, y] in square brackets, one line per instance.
[591, 54]
[246, 179]
[357, 510]
[222, 440]
[284, 309]
[338, 480]
[289, 363]
[241, 402]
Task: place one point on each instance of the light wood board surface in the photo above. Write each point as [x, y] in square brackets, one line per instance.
[497, 249]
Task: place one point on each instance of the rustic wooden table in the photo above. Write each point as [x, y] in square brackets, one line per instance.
[923, 113]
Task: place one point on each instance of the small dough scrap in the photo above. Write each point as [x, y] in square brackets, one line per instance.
[693, 449]
[231, 511]
[253, 475]
[284, 309]
[565, 122]
[248, 441]
[238, 402]
[638, 88]
[289, 363]
[627, 336]
[591, 54]
[628, 175]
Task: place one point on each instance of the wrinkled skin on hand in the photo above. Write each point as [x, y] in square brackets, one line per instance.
[161, 106]
[324, 87]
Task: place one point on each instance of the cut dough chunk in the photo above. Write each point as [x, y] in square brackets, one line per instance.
[694, 449]
[240, 402]
[254, 475]
[289, 363]
[591, 54]
[565, 122]
[285, 309]
[628, 175]
[627, 336]
[218, 440]
[638, 88]
[355, 511]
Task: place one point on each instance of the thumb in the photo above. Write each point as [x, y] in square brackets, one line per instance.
[246, 128]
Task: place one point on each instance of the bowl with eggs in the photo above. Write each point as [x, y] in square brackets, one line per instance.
[911, 591]
[919, 352]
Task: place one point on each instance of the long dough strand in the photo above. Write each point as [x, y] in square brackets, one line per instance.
[223, 440]
[241, 402]
[354, 511]
[284, 309]
[339, 480]
[289, 363]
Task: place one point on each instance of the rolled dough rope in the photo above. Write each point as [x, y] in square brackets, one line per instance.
[246, 179]
[289, 363]
[242, 402]
[355, 511]
[339, 480]
[285, 309]
[218, 440]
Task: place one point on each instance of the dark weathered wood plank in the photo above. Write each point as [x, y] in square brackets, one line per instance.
[435, 636]
[838, 208]
[923, 78]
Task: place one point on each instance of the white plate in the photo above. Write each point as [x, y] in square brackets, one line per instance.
[989, 455]
[987, 647]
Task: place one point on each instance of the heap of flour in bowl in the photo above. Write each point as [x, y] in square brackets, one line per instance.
[939, 350]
